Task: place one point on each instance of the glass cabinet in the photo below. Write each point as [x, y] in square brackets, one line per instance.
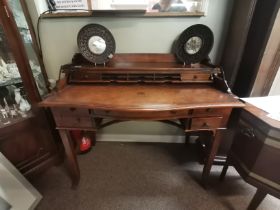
[26, 136]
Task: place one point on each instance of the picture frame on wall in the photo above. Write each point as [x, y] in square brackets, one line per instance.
[156, 7]
[73, 4]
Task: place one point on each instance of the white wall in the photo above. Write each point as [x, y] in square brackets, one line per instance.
[132, 35]
[275, 88]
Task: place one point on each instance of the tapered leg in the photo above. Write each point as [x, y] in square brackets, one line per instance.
[214, 145]
[224, 171]
[71, 157]
[257, 199]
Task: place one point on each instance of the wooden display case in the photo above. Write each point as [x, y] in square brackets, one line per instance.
[26, 138]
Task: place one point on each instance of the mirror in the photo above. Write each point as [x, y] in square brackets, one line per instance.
[193, 45]
[155, 7]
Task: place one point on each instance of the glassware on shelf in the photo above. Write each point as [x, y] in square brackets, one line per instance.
[25, 32]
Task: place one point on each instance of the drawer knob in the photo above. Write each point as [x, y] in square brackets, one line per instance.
[194, 77]
[205, 125]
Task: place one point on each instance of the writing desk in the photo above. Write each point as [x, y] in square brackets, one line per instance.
[190, 101]
[199, 107]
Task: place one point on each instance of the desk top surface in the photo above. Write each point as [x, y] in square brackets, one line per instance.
[141, 97]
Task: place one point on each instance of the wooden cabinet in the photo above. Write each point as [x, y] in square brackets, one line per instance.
[26, 137]
[255, 152]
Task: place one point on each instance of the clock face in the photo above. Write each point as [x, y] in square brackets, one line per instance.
[96, 43]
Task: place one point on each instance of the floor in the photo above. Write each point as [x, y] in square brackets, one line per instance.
[150, 176]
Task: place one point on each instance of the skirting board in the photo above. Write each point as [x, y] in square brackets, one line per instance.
[142, 138]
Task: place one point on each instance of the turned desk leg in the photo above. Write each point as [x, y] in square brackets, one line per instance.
[214, 145]
[71, 157]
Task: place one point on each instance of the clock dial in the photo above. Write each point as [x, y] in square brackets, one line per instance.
[96, 43]
[194, 44]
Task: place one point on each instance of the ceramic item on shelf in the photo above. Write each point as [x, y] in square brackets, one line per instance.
[7, 108]
[4, 113]
[24, 106]
[13, 113]
[17, 95]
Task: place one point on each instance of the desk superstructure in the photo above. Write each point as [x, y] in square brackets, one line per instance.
[141, 87]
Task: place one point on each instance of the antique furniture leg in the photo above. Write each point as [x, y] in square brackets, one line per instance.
[214, 145]
[224, 171]
[257, 199]
[71, 157]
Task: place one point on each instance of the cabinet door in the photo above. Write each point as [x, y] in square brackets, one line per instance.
[24, 27]
[25, 135]
[15, 109]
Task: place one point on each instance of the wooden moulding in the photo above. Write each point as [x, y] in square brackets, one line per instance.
[121, 13]
[135, 68]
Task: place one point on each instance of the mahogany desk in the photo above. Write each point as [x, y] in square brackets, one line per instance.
[193, 107]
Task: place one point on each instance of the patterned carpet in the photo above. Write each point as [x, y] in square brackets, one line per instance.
[144, 176]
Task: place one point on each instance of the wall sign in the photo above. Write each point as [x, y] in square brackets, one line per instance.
[73, 4]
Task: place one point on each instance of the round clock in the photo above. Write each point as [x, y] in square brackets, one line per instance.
[194, 44]
[96, 43]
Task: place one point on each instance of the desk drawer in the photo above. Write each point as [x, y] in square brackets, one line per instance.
[72, 117]
[206, 123]
[212, 112]
[154, 115]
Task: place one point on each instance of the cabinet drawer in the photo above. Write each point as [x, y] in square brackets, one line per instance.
[195, 77]
[72, 118]
[155, 115]
[212, 112]
[206, 123]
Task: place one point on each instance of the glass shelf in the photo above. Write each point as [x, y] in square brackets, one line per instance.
[13, 81]
[12, 121]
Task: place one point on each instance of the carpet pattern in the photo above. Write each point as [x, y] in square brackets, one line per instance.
[144, 176]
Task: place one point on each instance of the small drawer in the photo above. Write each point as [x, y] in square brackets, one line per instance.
[71, 117]
[195, 77]
[71, 112]
[212, 112]
[206, 123]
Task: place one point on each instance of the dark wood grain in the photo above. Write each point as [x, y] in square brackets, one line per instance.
[71, 156]
[255, 152]
[141, 97]
[198, 106]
